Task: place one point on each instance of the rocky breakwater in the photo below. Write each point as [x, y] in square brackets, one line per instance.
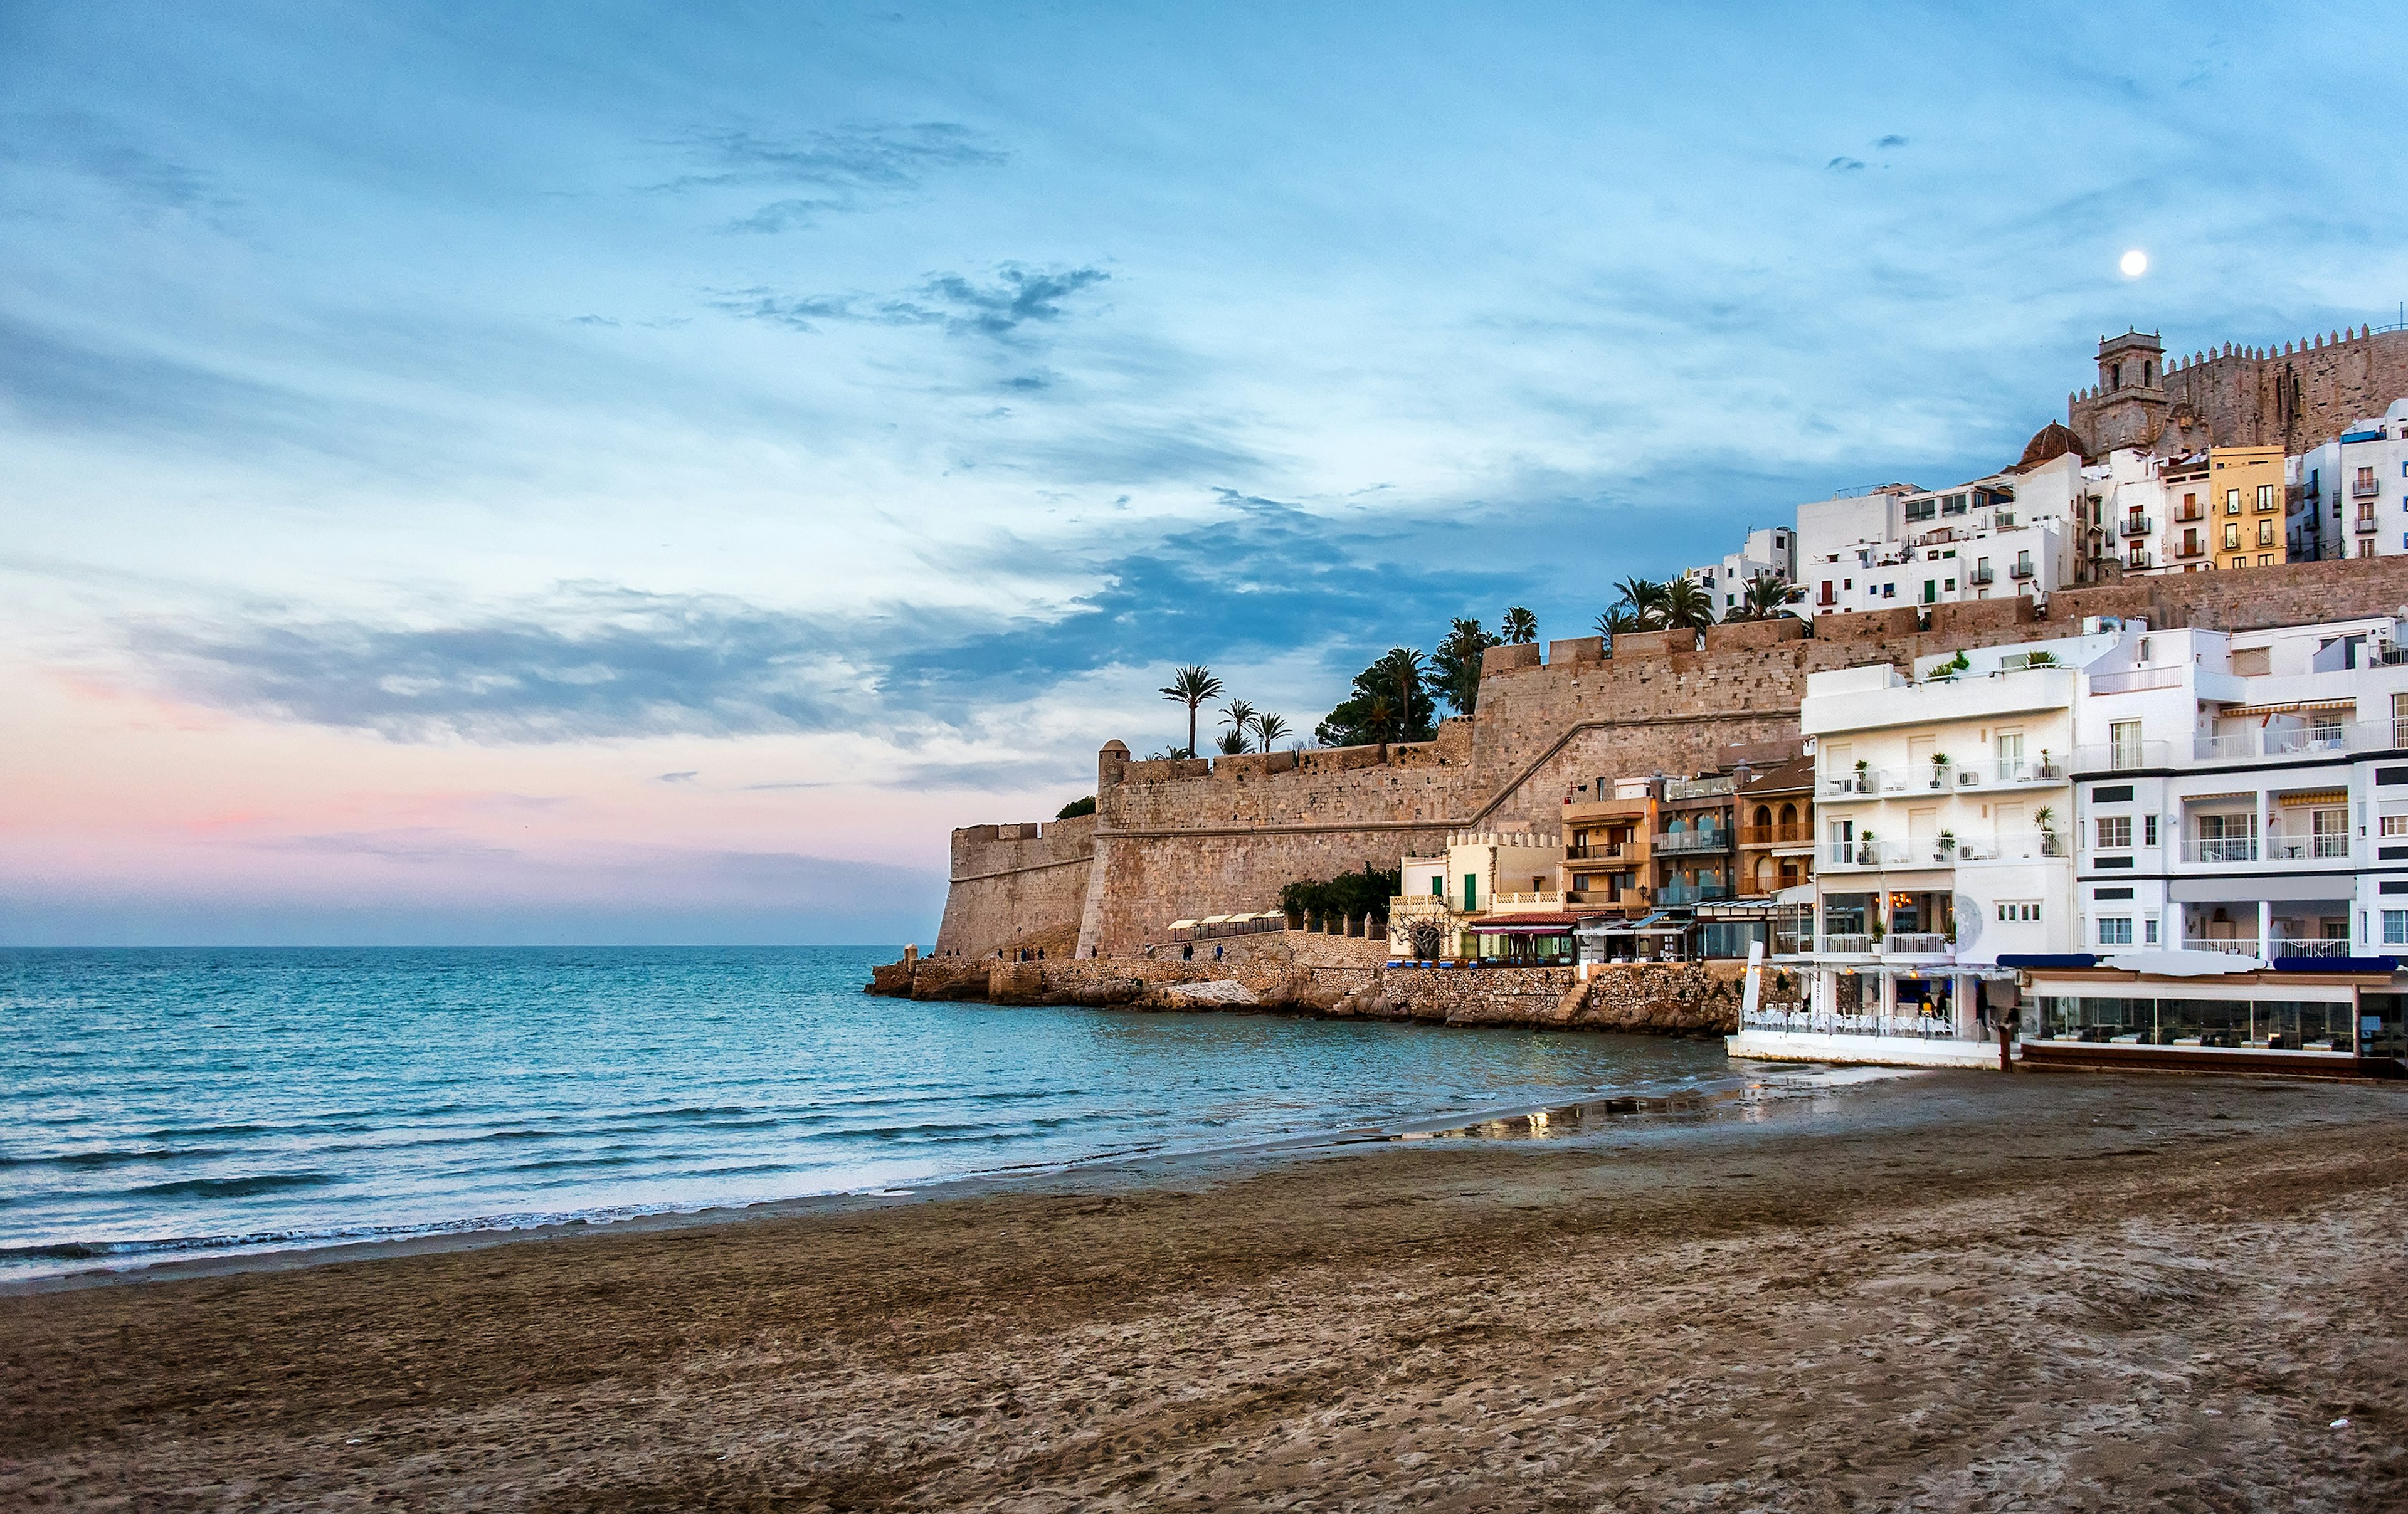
[1649, 998]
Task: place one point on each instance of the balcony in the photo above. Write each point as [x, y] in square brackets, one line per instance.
[2190, 547]
[2009, 772]
[2021, 570]
[1982, 572]
[1776, 835]
[1601, 851]
[1854, 854]
[2136, 559]
[2221, 849]
[2286, 848]
[2364, 525]
[1692, 894]
[2029, 846]
[1865, 783]
[1682, 843]
[1710, 787]
[1915, 944]
[2365, 489]
[2307, 947]
[2231, 945]
[2138, 525]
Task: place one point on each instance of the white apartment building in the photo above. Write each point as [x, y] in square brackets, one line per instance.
[1768, 550]
[2350, 495]
[2246, 794]
[2028, 531]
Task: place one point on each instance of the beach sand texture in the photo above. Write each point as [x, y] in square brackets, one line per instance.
[1945, 1291]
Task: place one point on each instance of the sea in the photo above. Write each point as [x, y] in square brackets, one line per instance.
[163, 1104]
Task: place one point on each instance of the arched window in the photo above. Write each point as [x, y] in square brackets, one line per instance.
[1789, 814]
[1675, 826]
[1764, 875]
[1763, 814]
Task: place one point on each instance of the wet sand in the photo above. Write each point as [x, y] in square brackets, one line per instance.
[1951, 1290]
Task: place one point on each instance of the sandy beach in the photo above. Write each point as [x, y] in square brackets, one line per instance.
[1937, 1291]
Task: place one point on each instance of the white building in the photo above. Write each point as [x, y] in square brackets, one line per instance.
[2026, 530]
[1770, 551]
[2350, 495]
[2246, 793]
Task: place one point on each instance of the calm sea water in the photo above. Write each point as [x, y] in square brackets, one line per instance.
[162, 1101]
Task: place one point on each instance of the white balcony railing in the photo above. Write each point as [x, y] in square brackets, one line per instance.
[1865, 853]
[2230, 849]
[1914, 943]
[2231, 945]
[1917, 1027]
[2295, 946]
[2045, 770]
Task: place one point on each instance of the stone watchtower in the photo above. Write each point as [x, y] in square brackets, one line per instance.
[2129, 407]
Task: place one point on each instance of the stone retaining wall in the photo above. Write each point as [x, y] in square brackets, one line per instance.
[1345, 977]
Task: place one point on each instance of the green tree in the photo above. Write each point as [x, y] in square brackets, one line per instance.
[1686, 606]
[1390, 701]
[1767, 596]
[1076, 808]
[1521, 626]
[1616, 621]
[1455, 667]
[1191, 686]
[1349, 896]
[1239, 716]
[1643, 600]
[1269, 728]
[1232, 743]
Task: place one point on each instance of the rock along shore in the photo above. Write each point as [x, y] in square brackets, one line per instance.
[1348, 978]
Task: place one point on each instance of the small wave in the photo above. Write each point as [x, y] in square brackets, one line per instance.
[232, 1187]
[114, 1159]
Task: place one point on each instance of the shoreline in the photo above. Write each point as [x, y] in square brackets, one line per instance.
[1941, 1290]
[1132, 1168]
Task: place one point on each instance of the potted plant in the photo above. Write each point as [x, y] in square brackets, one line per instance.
[1863, 767]
[2041, 659]
[1947, 845]
[1866, 851]
[2047, 821]
[1940, 770]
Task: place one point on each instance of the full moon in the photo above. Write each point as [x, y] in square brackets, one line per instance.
[2135, 263]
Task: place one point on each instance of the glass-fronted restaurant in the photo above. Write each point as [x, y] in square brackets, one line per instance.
[2344, 1018]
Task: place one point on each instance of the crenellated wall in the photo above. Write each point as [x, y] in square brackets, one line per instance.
[1184, 840]
[2295, 396]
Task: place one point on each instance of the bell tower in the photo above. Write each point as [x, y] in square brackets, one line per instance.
[2128, 408]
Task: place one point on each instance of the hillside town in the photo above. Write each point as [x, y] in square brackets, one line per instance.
[2099, 760]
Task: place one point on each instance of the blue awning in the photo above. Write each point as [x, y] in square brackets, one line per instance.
[2336, 964]
[2350, 436]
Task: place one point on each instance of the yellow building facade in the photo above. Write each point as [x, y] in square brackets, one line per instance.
[2246, 505]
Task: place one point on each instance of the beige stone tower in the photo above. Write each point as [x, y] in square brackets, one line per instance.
[2129, 407]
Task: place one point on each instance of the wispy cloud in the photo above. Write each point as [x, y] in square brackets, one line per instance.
[589, 662]
[996, 306]
[842, 169]
[93, 149]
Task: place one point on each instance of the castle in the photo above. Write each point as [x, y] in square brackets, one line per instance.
[2294, 398]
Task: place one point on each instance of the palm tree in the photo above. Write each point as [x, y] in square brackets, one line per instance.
[1270, 728]
[1616, 621]
[1686, 606]
[1405, 671]
[1521, 627]
[1232, 743]
[1646, 601]
[1380, 714]
[1766, 596]
[1191, 686]
[1239, 716]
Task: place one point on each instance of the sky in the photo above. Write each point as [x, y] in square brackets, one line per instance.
[614, 473]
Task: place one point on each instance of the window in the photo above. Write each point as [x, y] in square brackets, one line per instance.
[1889, 590]
[2265, 497]
[2233, 502]
[2124, 739]
[2149, 931]
[2395, 927]
[2116, 930]
[1470, 891]
[2231, 537]
[1921, 509]
[2148, 830]
[2018, 911]
[2115, 832]
[2394, 825]
[2265, 533]
[2265, 560]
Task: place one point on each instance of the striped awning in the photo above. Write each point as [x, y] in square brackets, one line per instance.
[2294, 707]
[2328, 796]
[2205, 798]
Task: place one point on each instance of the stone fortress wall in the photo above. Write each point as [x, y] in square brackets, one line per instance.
[2297, 397]
[1176, 841]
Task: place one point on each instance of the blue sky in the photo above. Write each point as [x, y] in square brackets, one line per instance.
[631, 473]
